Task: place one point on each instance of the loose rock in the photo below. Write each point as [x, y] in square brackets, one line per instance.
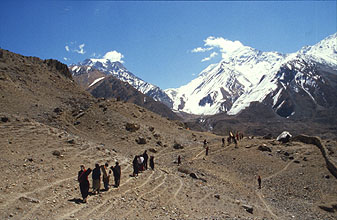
[178, 146]
[264, 148]
[248, 208]
[141, 140]
[132, 127]
[56, 153]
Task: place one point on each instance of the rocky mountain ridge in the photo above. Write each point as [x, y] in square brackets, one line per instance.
[248, 75]
[118, 70]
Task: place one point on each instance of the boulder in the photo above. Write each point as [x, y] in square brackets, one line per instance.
[71, 141]
[264, 148]
[27, 199]
[4, 119]
[132, 127]
[58, 110]
[141, 140]
[152, 150]
[284, 137]
[177, 146]
[194, 176]
[56, 153]
[326, 208]
[248, 208]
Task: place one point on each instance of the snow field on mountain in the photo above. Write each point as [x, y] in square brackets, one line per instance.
[249, 75]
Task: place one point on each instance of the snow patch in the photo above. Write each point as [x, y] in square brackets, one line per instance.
[96, 81]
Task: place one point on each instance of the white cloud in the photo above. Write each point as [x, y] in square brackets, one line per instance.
[210, 57]
[114, 56]
[225, 46]
[65, 58]
[200, 49]
[67, 48]
[81, 49]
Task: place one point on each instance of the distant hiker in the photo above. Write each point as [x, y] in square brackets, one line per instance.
[235, 142]
[135, 166]
[140, 163]
[205, 143]
[146, 158]
[106, 177]
[232, 138]
[152, 162]
[237, 135]
[179, 160]
[84, 182]
[259, 181]
[117, 174]
[96, 179]
[207, 151]
[223, 141]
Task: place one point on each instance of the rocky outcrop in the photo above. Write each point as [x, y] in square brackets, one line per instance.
[332, 167]
[284, 137]
[62, 68]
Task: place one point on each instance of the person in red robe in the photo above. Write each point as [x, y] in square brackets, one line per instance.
[84, 182]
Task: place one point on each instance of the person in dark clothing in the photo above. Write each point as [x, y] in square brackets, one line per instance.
[117, 174]
[152, 162]
[106, 176]
[135, 166]
[259, 181]
[179, 160]
[207, 151]
[84, 182]
[96, 179]
[205, 143]
[235, 142]
[146, 158]
[223, 141]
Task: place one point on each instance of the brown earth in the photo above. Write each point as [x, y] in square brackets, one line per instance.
[43, 111]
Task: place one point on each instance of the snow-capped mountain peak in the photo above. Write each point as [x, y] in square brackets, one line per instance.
[246, 75]
[118, 70]
[324, 51]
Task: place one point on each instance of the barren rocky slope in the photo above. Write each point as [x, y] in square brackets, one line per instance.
[49, 127]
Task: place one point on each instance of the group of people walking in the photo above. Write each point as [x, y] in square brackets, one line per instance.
[102, 173]
[233, 138]
[98, 172]
[140, 163]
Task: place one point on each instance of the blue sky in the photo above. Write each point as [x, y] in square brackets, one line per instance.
[155, 39]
